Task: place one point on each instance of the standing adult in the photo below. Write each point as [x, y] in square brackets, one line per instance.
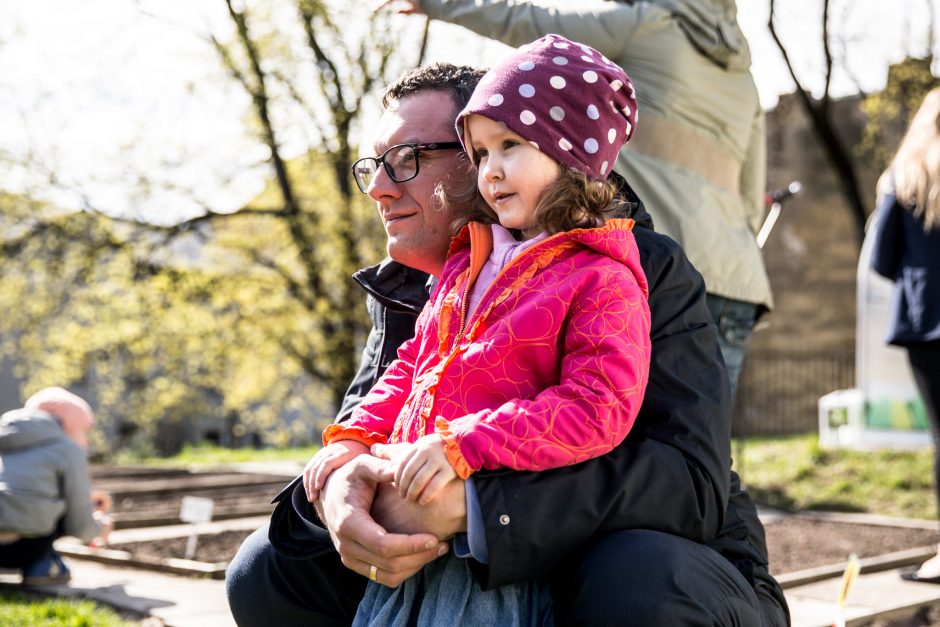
[907, 251]
[643, 535]
[698, 158]
[45, 489]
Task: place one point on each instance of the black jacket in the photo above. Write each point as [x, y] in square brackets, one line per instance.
[672, 472]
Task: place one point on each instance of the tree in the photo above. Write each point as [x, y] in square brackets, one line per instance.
[819, 111]
[248, 314]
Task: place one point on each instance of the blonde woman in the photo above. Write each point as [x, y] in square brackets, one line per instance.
[907, 251]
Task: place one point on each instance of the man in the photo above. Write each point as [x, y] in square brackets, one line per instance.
[698, 157]
[622, 538]
[45, 487]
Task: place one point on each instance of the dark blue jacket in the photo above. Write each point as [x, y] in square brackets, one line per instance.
[909, 256]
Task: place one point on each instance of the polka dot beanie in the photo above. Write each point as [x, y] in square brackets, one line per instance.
[567, 99]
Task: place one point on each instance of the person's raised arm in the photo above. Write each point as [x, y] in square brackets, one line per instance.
[605, 26]
[671, 473]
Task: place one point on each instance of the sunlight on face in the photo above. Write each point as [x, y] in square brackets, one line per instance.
[512, 172]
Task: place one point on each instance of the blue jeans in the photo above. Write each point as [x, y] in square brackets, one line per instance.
[735, 320]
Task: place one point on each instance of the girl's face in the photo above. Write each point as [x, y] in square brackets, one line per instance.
[512, 173]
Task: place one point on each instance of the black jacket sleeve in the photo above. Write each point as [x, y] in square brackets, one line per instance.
[889, 238]
[671, 474]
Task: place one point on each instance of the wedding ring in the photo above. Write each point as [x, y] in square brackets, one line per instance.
[373, 572]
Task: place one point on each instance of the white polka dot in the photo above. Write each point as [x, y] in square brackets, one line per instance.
[616, 85]
[557, 82]
[627, 110]
[560, 61]
[526, 90]
[527, 117]
[611, 135]
[604, 168]
[586, 49]
[584, 57]
[564, 144]
[495, 100]
[590, 76]
[592, 112]
[534, 145]
[590, 145]
[629, 127]
[557, 113]
[560, 45]
[525, 66]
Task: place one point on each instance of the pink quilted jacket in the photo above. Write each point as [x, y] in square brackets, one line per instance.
[550, 369]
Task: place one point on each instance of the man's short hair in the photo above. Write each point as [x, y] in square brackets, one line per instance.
[457, 80]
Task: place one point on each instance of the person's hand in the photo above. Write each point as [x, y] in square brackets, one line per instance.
[404, 7]
[325, 461]
[424, 470]
[362, 543]
[445, 516]
[105, 524]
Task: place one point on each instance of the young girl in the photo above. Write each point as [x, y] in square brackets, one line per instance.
[533, 351]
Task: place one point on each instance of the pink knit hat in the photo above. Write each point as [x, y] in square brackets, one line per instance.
[573, 103]
[72, 411]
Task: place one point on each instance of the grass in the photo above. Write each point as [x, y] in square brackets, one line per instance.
[794, 473]
[212, 455]
[22, 610]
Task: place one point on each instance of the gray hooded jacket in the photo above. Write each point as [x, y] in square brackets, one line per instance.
[698, 156]
[43, 478]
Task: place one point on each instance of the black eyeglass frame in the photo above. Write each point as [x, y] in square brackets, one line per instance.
[417, 148]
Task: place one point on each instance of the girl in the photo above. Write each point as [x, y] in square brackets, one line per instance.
[533, 351]
[907, 251]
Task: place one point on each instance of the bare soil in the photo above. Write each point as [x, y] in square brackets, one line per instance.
[797, 543]
[793, 543]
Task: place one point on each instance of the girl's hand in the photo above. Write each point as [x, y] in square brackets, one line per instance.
[404, 7]
[424, 471]
[325, 461]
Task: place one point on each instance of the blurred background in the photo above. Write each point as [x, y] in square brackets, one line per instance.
[178, 223]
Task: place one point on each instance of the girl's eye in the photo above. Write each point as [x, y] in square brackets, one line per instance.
[481, 153]
[509, 143]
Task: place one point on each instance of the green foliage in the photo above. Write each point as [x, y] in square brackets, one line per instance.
[228, 321]
[794, 473]
[20, 610]
[890, 110]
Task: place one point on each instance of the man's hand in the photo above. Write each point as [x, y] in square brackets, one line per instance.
[344, 506]
[405, 7]
[326, 460]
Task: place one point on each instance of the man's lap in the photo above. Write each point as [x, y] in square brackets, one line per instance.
[641, 577]
[267, 588]
[631, 577]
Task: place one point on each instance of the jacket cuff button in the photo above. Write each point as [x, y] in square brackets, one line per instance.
[504, 519]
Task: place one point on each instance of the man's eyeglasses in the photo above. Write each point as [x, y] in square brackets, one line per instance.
[400, 163]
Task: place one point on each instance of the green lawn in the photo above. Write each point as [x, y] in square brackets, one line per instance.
[21, 610]
[211, 455]
[794, 473]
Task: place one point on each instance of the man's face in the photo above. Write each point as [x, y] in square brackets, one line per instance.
[417, 225]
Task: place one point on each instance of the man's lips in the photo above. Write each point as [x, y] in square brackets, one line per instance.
[392, 218]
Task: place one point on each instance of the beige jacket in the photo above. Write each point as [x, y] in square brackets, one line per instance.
[698, 158]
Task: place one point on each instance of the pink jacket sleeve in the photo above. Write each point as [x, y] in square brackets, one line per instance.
[603, 377]
[373, 420]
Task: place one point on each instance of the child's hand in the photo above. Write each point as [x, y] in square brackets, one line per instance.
[424, 471]
[326, 460]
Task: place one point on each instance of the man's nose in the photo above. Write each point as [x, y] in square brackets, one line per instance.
[382, 186]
